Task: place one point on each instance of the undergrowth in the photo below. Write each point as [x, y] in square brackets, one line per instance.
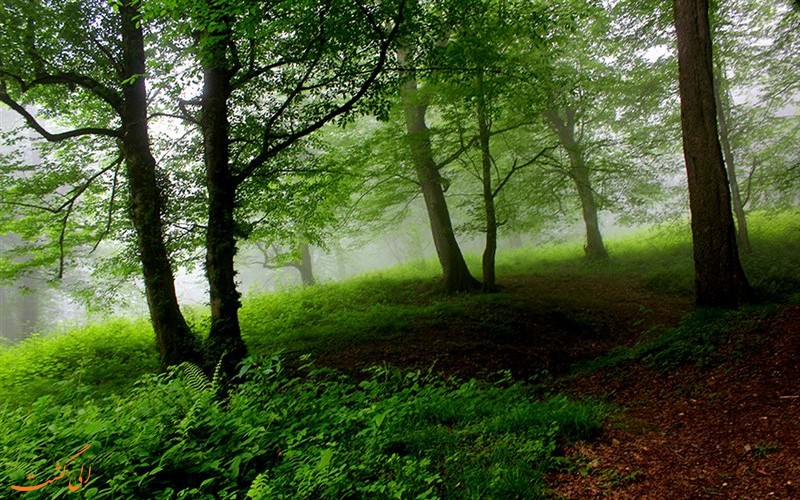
[95, 359]
[316, 435]
[696, 340]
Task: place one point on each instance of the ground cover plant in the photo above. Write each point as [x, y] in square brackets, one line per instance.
[334, 426]
[311, 435]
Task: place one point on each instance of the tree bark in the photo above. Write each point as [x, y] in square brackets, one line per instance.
[306, 266]
[580, 174]
[224, 342]
[457, 277]
[723, 111]
[29, 309]
[174, 339]
[490, 249]
[719, 278]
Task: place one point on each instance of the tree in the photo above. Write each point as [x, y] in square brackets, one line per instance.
[563, 124]
[755, 58]
[602, 97]
[306, 64]
[95, 79]
[298, 258]
[719, 278]
[492, 57]
[457, 277]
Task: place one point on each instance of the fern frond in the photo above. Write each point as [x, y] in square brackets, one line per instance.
[216, 380]
[195, 380]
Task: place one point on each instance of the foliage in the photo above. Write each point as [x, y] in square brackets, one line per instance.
[358, 310]
[96, 358]
[312, 435]
[695, 340]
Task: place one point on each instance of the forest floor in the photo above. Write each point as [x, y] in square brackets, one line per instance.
[728, 427]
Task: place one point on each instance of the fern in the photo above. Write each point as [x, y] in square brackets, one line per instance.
[200, 389]
[260, 488]
[195, 380]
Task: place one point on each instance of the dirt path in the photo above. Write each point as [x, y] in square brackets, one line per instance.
[730, 430]
[726, 431]
[550, 325]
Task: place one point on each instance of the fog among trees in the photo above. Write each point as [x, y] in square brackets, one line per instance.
[166, 136]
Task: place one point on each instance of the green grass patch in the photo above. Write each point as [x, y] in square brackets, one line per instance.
[339, 314]
[696, 340]
[97, 358]
[317, 435]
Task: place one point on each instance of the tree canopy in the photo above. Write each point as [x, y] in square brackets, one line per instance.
[173, 132]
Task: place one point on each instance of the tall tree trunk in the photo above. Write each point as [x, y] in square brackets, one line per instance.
[580, 174]
[457, 277]
[719, 278]
[224, 340]
[29, 310]
[490, 250]
[723, 111]
[515, 240]
[174, 339]
[306, 266]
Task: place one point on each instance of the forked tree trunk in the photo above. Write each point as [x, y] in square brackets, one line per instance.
[719, 278]
[742, 235]
[457, 277]
[224, 340]
[173, 337]
[580, 174]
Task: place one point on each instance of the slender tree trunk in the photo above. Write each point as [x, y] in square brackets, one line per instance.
[224, 340]
[490, 250]
[457, 277]
[719, 278]
[742, 236]
[306, 266]
[581, 176]
[29, 310]
[175, 341]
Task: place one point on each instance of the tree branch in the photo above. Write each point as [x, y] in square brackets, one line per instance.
[106, 94]
[268, 151]
[58, 137]
[61, 237]
[110, 214]
[453, 157]
[516, 168]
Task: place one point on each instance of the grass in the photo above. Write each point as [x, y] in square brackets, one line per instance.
[318, 435]
[315, 435]
[99, 358]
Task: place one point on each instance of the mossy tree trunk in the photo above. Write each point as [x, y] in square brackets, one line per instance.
[224, 341]
[173, 337]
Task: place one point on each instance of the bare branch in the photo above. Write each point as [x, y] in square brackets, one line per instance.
[31, 205]
[109, 96]
[749, 189]
[453, 157]
[107, 52]
[34, 124]
[110, 214]
[517, 167]
[61, 237]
